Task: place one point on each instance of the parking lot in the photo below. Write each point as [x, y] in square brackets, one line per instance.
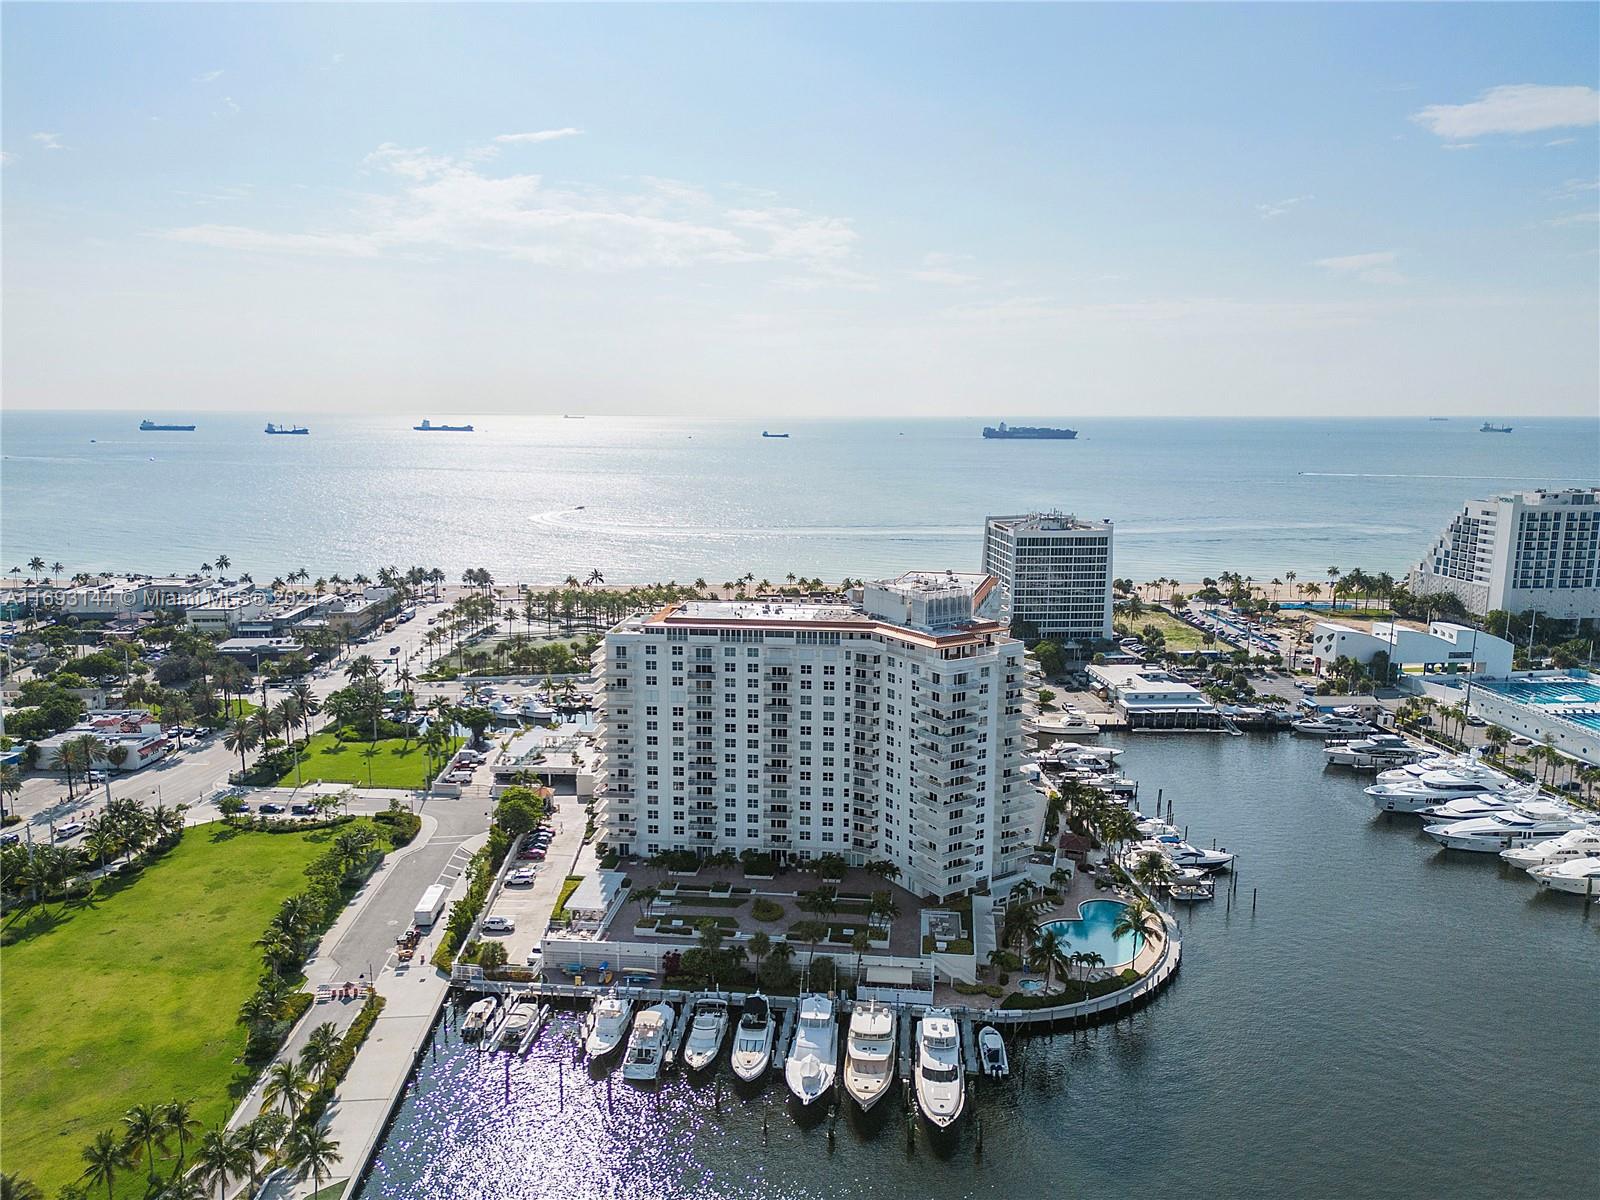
[530, 905]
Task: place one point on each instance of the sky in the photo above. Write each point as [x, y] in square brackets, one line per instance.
[831, 210]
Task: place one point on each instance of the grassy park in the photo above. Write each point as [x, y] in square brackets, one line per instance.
[131, 996]
[393, 762]
[1179, 634]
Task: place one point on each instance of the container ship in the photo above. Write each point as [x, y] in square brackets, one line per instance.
[1035, 432]
[148, 426]
[1491, 427]
[287, 429]
[428, 426]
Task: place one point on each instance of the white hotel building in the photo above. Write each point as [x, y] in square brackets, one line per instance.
[1520, 551]
[1054, 572]
[886, 728]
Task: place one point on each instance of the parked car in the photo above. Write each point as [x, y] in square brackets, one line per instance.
[499, 924]
[10, 839]
[521, 875]
[536, 854]
[1519, 740]
[269, 808]
[302, 810]
[536, 956]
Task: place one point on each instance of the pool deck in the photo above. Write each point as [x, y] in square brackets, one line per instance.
[1081, 891]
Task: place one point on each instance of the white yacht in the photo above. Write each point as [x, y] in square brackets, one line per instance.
[1379, 750]
[515, 1026]
[478, 1017]
[1578, 875]
[1575, 843]
[1183, 854]
[534, 709]
[708, 1026]
[1519, 825]
[648, 1044]
[1433, 788]
[869, 1053]
[813, 1061]
[752, 1039]
[1329, 725]
[1414, 771]
[940, 1082]
[607, 1024]
[1466, 808]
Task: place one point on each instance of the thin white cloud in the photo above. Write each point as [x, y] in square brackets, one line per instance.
[50, 141]
[1578, 218]
[437, 204]
[540, 135]
[1458, 145]
[944, 269]
[1514, 108]
[208, 76]
[1376, 267]
[1561, 142]
[229, 103]
[1280, 207]
[7, 158]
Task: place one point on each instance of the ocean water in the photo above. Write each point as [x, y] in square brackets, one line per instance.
[1368, 1016]
[539, 498]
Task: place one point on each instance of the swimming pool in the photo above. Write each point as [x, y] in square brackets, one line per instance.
[1091, 932]
[1574, 696]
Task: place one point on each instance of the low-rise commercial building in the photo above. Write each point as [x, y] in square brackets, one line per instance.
[135, 730]
[1152, 699]
[1445, 647]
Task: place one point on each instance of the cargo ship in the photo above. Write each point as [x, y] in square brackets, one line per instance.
[148, 426]
[1035, 432]
[765, 434]
[288, 429]
[428, 426]
[1491, 427]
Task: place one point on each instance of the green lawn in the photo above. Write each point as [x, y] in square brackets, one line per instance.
[1179, 635]
[131, 996]
[394, 763]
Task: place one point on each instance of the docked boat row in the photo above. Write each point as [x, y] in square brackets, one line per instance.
[811, 1067]
[1380, 751]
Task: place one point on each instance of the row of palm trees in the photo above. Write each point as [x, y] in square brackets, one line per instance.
[124, 828]
[275, 1138]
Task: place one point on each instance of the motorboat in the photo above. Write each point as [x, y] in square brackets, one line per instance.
[1575, 843]
[940, 1083]
[534, 709]
[1580, 876]
[1519, 825]
[869, 1053]
[1466, 808]
[813, 1061]
[1183, 854]
[1436, 787]
[1065, 724]
[708, 1026]
[478, 1017]
[992, 1053]
[607, 1024]
[1414, 771]
[515, 1026]
[752, 1039]
[1330, 725]
[647, 1045]
[1381, 749]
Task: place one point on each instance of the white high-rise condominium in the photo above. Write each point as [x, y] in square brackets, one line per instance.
[1521, 552]
[886, 728]
[1054, 572]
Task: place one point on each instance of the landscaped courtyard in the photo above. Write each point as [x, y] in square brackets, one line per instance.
[131, 996]
[386, 763]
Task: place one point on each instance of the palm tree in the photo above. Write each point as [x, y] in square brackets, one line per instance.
[1140, 919]
[145, 1128]
[316, 1056]
[759, 946]
[15, 1187]
[311, 1152]
[287, 1087]
[259, 1139]
[241, 737]
[10, 784]
[1154, 870]
[105, 1156]
[219, 1155]
[180, 1118]
[1048, 951]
